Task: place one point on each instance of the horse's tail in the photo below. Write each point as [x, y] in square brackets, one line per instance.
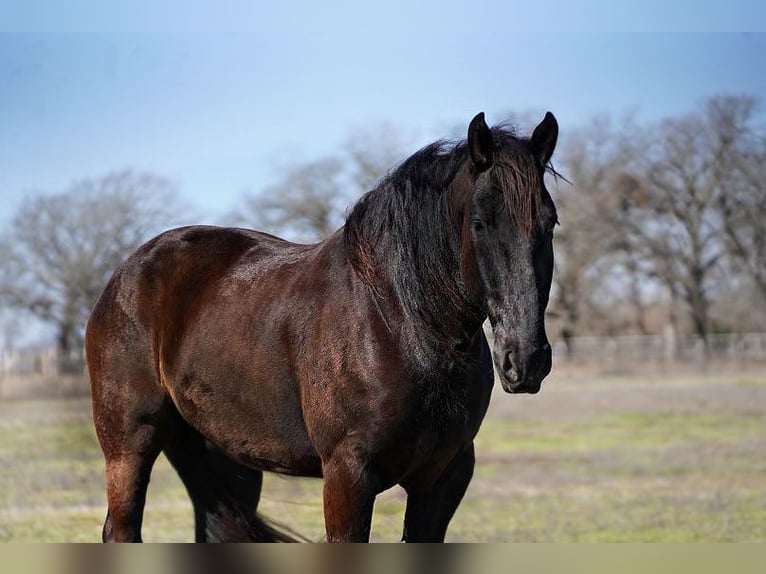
[228, 525]
[267, 530]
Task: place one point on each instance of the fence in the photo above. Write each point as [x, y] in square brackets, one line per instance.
[44, 371]
[41, 372]
[668, 349]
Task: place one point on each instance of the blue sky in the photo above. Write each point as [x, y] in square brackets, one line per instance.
[215, 111]
[215, 98]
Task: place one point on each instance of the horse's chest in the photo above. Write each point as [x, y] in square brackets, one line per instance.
[445, 421]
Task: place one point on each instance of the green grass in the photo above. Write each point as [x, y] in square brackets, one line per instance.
[624, 431]
[750, 382]
[656, 473]
[662, 515]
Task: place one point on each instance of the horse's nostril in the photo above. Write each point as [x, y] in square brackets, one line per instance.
[510, 368]
[508, 362]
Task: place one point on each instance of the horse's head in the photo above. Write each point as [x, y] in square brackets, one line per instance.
[511, 219]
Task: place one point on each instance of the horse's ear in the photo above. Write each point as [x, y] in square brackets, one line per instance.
[480, 142]
[543, 140]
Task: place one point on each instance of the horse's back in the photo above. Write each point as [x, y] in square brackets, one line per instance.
[164, 277]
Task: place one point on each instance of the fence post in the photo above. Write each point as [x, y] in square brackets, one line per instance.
[670, 344]
[49, 363]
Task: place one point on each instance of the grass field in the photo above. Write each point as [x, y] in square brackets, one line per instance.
[591, 458]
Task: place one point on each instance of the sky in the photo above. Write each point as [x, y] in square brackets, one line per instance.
[215, 99]
[82, 94]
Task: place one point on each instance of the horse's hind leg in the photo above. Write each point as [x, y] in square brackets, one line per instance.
[130, 428]
[127, 478]
[130, 410]
[224, 493]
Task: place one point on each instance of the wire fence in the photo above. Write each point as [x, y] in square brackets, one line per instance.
[45, 371]
[41, 372]
[668, 348]
[40, 361]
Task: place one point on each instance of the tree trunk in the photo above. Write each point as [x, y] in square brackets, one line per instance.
[700, 316]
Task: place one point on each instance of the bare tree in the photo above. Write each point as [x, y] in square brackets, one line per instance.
[739, 153]
[672, 215]
[373, 152]
[588, 243]
[309, 200]
[675, 207]
[61, 248]
[306, 204]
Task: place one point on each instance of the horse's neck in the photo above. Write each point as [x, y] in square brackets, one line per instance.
[448, 313]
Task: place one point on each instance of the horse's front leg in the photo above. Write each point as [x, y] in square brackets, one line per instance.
[432, 503]
[349, 496]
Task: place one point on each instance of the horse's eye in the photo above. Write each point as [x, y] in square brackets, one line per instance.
[477, 225]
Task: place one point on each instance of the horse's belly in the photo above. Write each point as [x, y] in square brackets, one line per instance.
[258, 425]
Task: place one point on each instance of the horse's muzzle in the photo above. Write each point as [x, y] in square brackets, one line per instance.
[524, 373]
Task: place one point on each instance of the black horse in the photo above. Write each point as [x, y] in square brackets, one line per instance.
[360, 359]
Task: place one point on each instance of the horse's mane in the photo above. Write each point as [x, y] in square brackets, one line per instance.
[401, 228]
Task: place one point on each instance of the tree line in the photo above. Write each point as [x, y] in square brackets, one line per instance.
[662, 224]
